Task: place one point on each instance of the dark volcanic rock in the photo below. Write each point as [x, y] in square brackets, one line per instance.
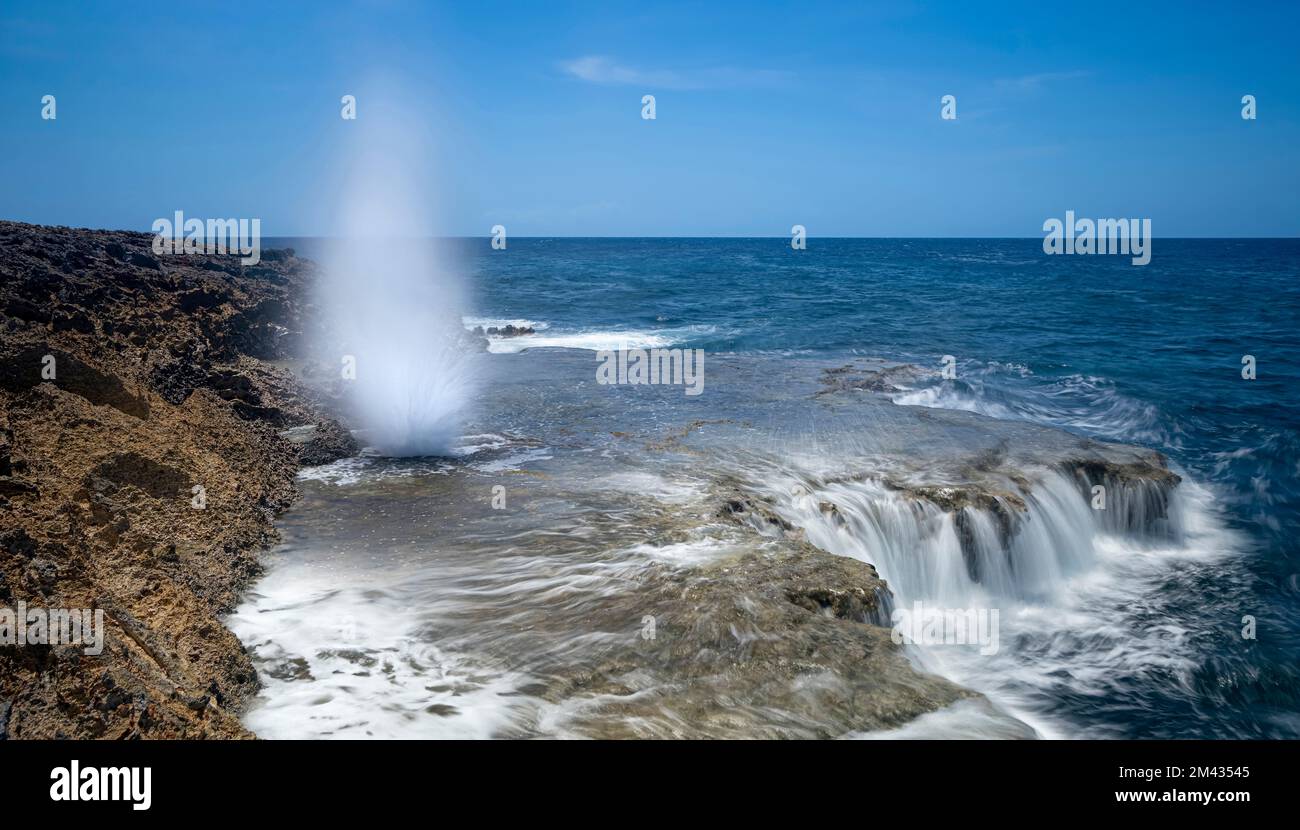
[144, 261]
[507, 331]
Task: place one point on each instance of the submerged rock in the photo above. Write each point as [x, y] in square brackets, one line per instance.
[879, 376]
[783, 642]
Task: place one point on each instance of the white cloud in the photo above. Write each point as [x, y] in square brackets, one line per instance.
[602, 70]
[1032, 83]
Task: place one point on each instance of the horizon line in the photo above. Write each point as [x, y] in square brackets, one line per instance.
[489, 236]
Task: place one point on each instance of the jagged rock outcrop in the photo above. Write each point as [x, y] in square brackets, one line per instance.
[142, 459]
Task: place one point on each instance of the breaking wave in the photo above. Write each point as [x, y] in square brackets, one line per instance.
[544, 336]
[1076, 402]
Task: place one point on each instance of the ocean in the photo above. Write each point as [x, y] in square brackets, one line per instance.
[404, 602]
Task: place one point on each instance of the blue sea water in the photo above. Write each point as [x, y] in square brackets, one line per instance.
[1150, 355]
[1147, 355]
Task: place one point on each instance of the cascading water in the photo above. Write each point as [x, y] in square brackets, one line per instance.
[1068, 580]
[1021, 547]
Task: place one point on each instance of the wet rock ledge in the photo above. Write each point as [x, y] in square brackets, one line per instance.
[143, 477]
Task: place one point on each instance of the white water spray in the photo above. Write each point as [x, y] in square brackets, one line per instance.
[392, 304]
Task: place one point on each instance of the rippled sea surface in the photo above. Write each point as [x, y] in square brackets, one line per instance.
[404, 604]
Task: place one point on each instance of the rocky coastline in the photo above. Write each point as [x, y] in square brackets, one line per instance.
[150, 431]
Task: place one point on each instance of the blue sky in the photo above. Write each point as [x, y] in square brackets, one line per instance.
[768, 115]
